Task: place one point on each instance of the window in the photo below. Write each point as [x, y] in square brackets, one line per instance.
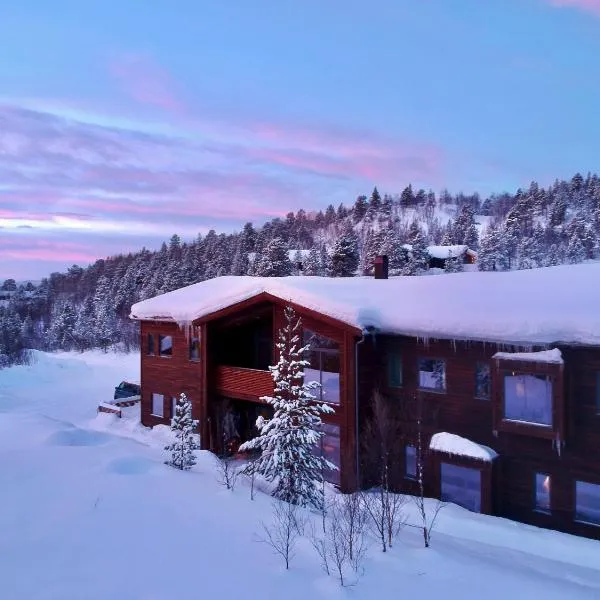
[158, 405]
[150, 344]
[394, 369]
[528, 398]
[165, 345]
[330, 444]
[194, 348]
[461, 485]
[587, 502]
[482, 381]
[173, 406]
[432, 374]
[410, 462]
[542, 492]
[324, 359]
[598, 393]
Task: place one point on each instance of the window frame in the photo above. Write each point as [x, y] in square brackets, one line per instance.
[407, 475]
[394, 354]
[320, 352]
[150, 345]
[462, 467]
[477, 396]
[432, 390]
[527, 422]
[536, 506]
[576, 519]
[191, 346]
[160, 351]
[152, 413]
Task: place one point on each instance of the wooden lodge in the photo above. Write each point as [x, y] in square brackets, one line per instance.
[530, 403]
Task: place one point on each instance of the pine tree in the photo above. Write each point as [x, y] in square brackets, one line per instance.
[288, 441]
[359, 209]
[274, 260]
[453, 264]
[418, 260]
[183, 427]
[312, 264]
[343, 260]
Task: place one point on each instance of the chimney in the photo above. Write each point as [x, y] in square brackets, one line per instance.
[381, 267]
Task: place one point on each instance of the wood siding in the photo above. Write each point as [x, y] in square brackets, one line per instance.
[569, 454]
[242, 384]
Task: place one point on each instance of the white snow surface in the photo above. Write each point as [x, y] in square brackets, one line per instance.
[460, 446]
[447, 251]
[90, 512]
[553, 304]
[543, 356]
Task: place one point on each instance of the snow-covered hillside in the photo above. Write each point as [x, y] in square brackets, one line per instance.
[89, 511]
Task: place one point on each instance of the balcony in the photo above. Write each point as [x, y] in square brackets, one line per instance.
[242, 384]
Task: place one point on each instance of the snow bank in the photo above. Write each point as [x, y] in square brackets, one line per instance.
[443, 252]
[545, 356]
[460, 446]
[553, 304]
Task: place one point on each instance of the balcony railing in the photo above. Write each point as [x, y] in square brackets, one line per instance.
[242, 384]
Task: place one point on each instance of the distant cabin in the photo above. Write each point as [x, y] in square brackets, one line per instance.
[438, 255]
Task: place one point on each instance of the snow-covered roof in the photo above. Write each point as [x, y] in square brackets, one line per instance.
[291, 254]
[544, 356]
[442, 252]
[460, 446]
[533, 306]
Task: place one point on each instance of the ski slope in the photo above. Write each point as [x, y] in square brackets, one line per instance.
[90, 512]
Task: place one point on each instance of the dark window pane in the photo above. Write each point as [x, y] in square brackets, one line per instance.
[432, 374]
[528, 398]
[542, 492]
[462, 486]
[410, 462]
[598, 393]
[330, 444]
[194, 348]
[587, 502]
[158, 405]
[324, 366]
[165, 343]
[482, 381]
[394, 369]
[150, 344]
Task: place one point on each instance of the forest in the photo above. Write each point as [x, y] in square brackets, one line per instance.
[88, 307]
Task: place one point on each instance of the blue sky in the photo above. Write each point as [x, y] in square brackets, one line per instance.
[121, 123]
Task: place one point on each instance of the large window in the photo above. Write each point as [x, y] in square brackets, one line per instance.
[158, 405]
[410, 462]
[194, 348]
[587, 502]
[151, 344]
[324, 359]
[330, 445]
[462, 486]
[432, 374]
[542, 492]
[528, 398]
[165, 345]
[394, 369]
[482, 381]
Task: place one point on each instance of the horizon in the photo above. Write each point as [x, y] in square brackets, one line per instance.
[122, 126]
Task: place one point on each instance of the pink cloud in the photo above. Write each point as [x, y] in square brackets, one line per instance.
[144, 80]
[46, 251]
[592, 6]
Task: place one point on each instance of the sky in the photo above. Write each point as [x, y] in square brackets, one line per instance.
[122, 123]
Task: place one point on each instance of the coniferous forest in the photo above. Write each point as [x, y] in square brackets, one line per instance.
[88, 307]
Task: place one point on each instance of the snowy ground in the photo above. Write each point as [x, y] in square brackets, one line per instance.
[89, 511]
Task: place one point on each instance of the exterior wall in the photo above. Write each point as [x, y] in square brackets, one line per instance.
[522, 453]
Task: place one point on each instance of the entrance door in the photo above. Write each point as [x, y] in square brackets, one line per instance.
[461, 485]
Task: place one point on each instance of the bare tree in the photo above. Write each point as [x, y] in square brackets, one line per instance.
[250, 471]
[227, 471]
[354, 521]
[382, 436]
[282, 534]
[427, 520]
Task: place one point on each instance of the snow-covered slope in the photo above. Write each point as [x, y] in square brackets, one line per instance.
[90, 512]
[553, 304]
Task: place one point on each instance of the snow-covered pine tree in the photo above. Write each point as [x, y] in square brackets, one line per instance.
[288, 441]
[419, 258]
[343, 259]
[454, 264]
[183, 426]
[274, 260]
[312, 263]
